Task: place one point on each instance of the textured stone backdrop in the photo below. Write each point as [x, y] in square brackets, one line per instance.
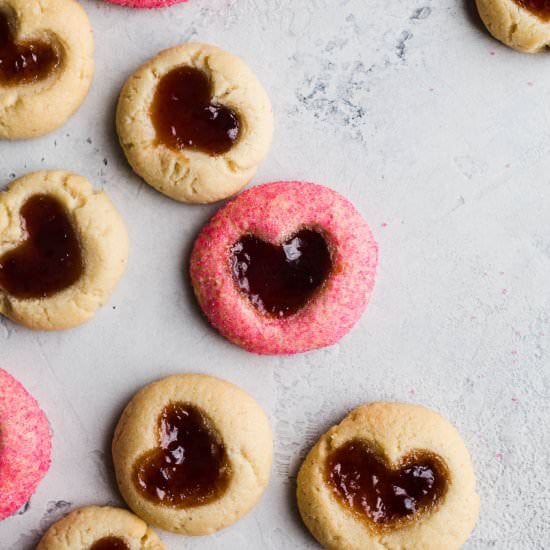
[441, 137]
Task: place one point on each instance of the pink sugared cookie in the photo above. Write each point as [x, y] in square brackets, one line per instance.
[147, 4]
[284, 268]
[25, 445]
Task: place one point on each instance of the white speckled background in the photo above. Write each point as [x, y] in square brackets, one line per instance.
[441, 137]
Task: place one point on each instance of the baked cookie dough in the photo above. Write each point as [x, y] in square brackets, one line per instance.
[284, 268]
[524, 25]
[25, 445]
[194, 122]
[46, 65]
[192, 454]
[392, 476]
[147, 4]
[63, 248]
[100, 528]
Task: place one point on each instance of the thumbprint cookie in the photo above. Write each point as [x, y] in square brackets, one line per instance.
[46, 65]
[192, 454]
[521, 24]
[284, 268]
[145, 4]
[100, 528]
[195, 123]
[25, 445]
[63, 248]
[390, 475]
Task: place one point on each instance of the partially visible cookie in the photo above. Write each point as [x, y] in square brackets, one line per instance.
[195, 123]
[46, 65]
[145, 4]
[25, 445]
[192, 454]
[100, 528]
[391, 476]
[63, 248]
[524, 25]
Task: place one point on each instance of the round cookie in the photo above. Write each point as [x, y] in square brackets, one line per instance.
[284, 268]
[100, 528]
[208, 438]
[524, 25]
[194, 122]
[63, 248]
[390, 475]
[46, 65]
[25, 445]
[146, 4]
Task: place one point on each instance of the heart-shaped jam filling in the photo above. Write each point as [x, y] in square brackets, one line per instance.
[24, 62]
[190, 466]
[185, 117]
[110, 543]
[50, 258]
[279, 280]
[362, 480]
[540, 8]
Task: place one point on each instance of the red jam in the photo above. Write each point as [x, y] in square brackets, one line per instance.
[24, 62]
[361, 480]
[110, 543]
[185, 117]
[190, 466]
[540, 8]
[280, 280]
[50, 258]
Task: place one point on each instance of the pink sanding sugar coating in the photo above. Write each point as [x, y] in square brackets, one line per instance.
[147, 4]
[274, 212]
[25, 445]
